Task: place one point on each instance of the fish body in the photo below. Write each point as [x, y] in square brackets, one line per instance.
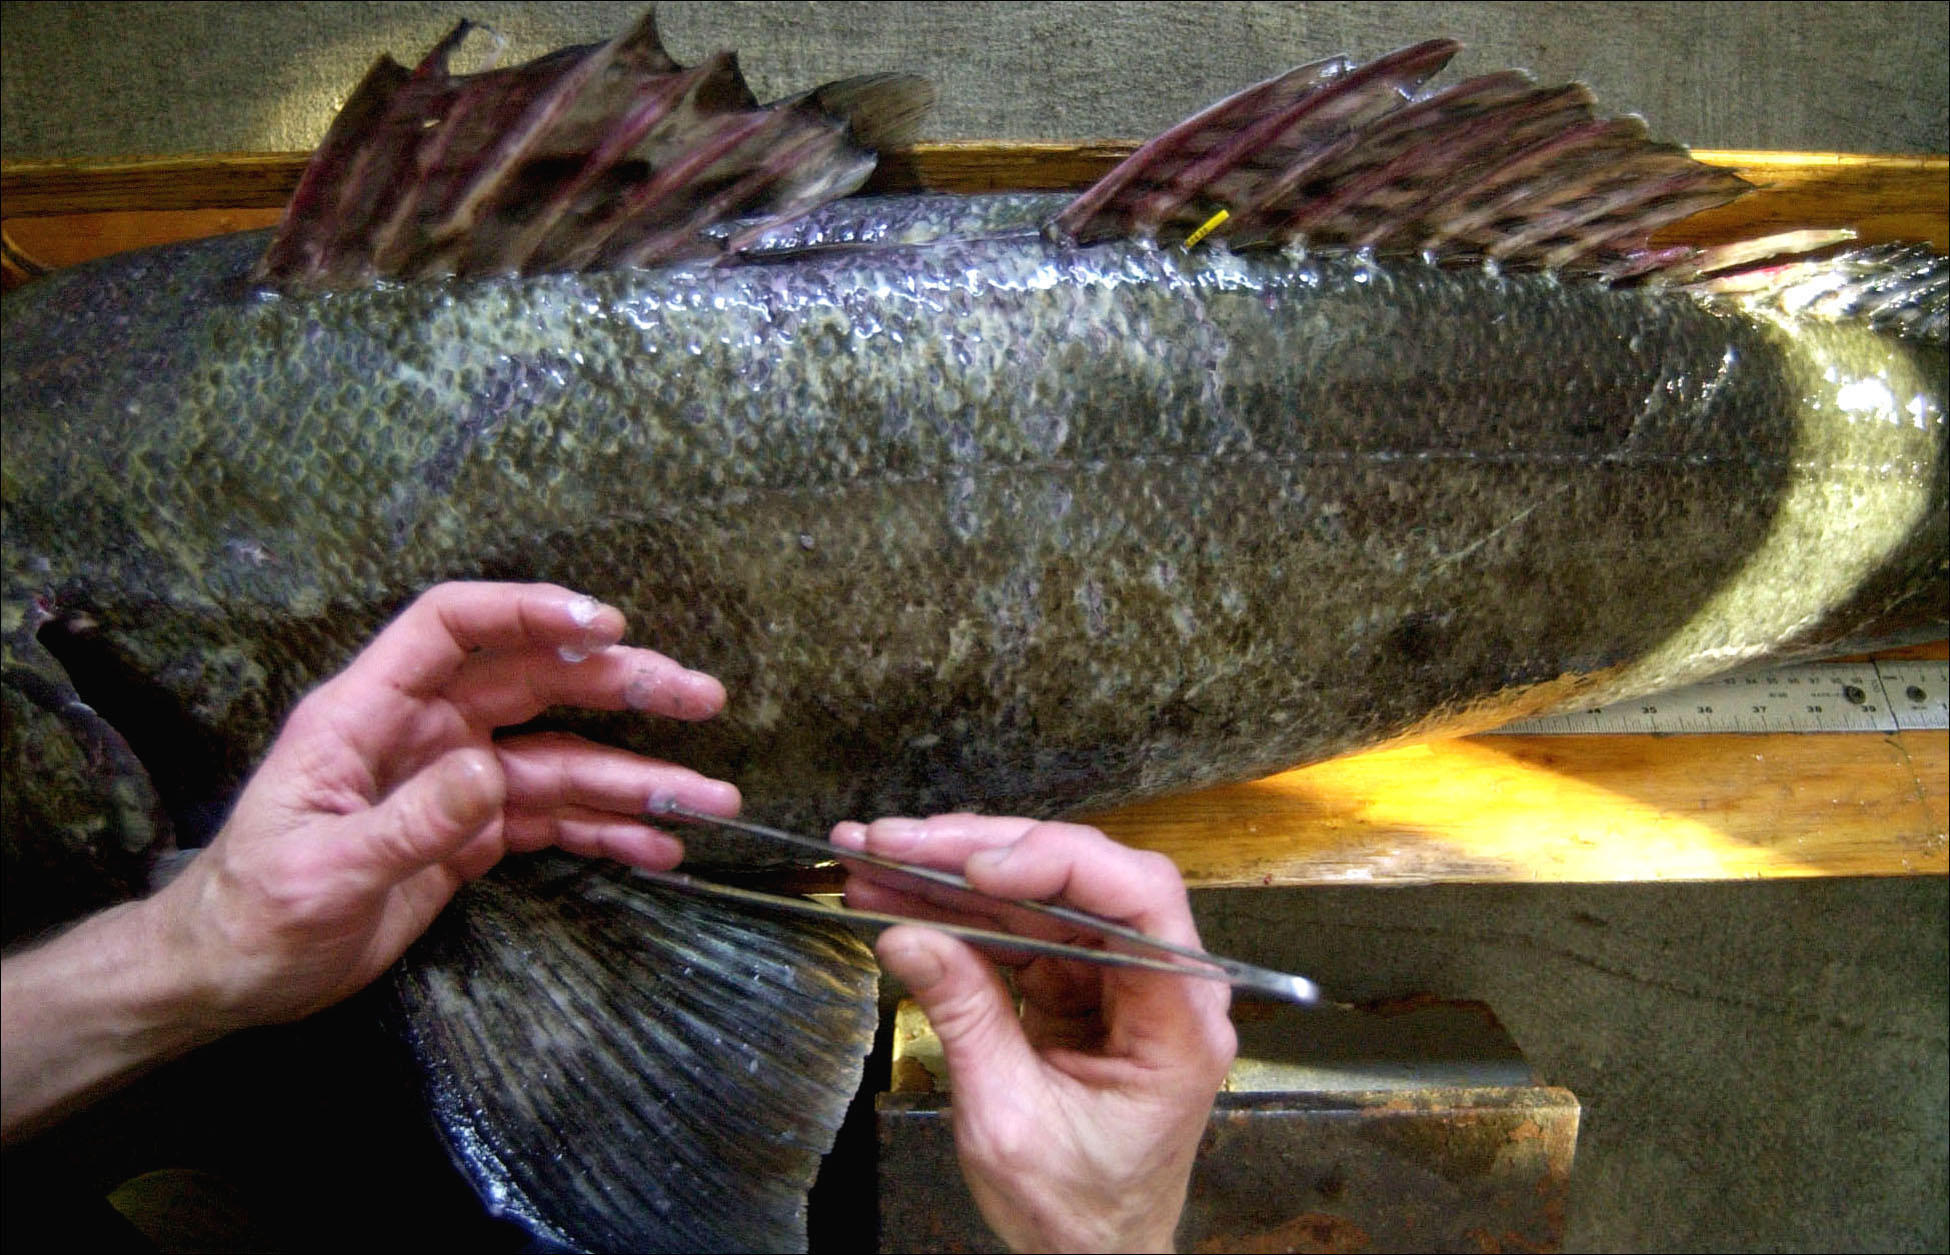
[988, 522]
[1000, 502]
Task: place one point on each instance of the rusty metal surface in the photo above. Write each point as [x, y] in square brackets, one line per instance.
[1415, 1043]
[1431, 1170]
[1410, 1126]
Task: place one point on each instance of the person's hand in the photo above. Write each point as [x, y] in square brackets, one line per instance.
[1076, 1122]
[386, 790]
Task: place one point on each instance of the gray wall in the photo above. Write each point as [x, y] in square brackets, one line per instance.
[1762, 1066]
[100, 79]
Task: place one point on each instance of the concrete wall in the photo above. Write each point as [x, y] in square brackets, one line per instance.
[100, 79]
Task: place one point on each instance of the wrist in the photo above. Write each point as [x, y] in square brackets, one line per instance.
[1035, 1217]
[93, 1008]
[205, 974]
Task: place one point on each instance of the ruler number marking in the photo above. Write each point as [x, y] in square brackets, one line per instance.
[1813, 697]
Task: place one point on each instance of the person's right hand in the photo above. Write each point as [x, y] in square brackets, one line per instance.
[1076, 1122]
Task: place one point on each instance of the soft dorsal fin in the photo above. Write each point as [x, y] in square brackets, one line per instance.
[1903, 289]
[1336, 155]
[592, 157]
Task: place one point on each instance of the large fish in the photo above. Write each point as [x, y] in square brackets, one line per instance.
[1015, 503]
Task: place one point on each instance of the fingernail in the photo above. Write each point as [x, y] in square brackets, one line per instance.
[661, 800]
[461, 790]
[583, 611]
[895, 836]
[917, 966]
[850, 835]
[569, 653]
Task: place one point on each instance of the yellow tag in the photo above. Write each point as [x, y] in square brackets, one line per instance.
[1211, 224]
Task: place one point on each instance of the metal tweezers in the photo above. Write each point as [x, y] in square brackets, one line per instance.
[1178, 960]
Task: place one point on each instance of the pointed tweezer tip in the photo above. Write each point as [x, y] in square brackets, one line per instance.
[1302, 991]
[1267, 983]
[1283, 986]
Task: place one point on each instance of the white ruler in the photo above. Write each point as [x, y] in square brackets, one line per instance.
[1811, 697]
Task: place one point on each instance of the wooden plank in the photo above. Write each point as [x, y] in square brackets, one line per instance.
[184, 181]
[70, 239]
[1882, 198]
[44, 202]
[1570, 809]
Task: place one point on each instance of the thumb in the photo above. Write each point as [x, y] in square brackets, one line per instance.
[431, 816]
[971, 1012]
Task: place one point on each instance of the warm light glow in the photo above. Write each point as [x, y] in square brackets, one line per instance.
[1566, 809]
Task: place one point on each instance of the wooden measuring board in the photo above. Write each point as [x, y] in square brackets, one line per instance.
[60, 212]
[1868, 695]
[1585, 805]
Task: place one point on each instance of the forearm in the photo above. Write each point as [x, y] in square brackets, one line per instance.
[91, 1009]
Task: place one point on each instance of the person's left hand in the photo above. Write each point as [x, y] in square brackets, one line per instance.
[386, 790]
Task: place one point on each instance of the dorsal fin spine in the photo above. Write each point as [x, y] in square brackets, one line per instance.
[1504, 127]
[654, 103]
[699, 158]
[1352, 189]
[1414, 64]
[1070, 223]
[549, 105]
[581, 157]
[1493, 167]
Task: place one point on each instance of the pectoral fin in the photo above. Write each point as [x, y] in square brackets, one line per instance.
[80, 821]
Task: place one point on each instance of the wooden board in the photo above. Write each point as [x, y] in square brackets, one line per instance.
[58, 213]
[1573, 809]
[1569, 808]
[1589, 808]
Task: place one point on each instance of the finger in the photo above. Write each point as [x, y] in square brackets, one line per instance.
[922, 897]
[1082, 867]
[948, 841]
[554, 769]
[478, 856]
[594, 834]
[943, 841]
[509, 688]
[430, 817]
[887, 900]
[424, 647]
[896, 892]
[1152, 1017]
[964, 1000]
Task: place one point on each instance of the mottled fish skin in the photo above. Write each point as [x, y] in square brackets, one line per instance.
[993, 523]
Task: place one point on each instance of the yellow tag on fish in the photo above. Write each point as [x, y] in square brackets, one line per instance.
[1211, 224]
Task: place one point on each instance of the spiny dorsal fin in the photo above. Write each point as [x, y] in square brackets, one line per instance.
[593, 157]
[1336, 155]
